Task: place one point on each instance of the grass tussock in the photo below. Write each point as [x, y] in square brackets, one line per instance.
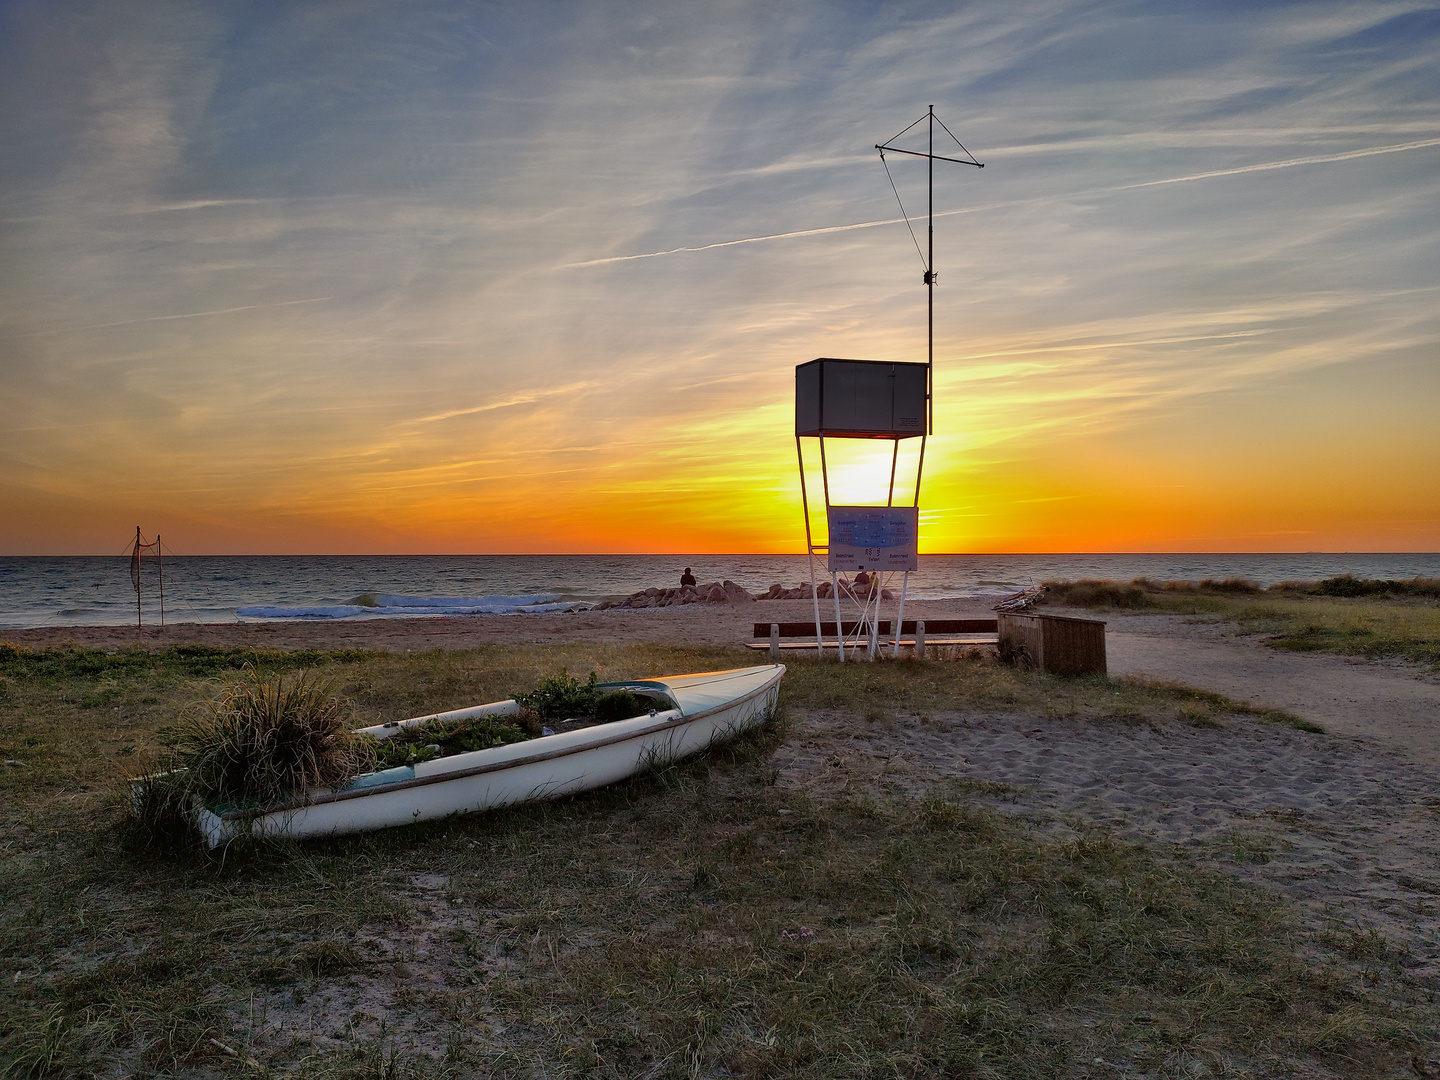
[1346, 585]
[702, 920]
[266, 740]
[262, 741]
[1091, 593]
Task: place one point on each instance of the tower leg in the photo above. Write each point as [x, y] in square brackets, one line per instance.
[839, 626]
[815, 596]
[810, 545]
[900, 619]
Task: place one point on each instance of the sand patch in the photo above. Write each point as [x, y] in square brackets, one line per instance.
[1349, 831]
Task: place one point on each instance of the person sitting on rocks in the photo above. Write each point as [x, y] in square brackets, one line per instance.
[862, 583]
[687, 578]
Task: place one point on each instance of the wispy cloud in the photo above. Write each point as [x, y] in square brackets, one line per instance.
[551, 261]
[184, 315]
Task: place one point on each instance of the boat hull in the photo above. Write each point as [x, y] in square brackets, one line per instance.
[546, 768]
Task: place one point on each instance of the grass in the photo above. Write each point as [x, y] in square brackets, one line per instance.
[1377, 620]
[699, 921]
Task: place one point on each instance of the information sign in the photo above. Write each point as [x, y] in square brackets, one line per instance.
[874, 538]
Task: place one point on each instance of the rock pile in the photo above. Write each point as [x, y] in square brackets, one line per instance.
[802, 592]
[716, 592]
[726, 592]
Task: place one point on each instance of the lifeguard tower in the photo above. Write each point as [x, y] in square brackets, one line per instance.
[878, 401]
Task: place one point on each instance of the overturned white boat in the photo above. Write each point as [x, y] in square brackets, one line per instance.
[690, 713]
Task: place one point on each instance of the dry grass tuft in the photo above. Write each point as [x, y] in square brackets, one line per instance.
[1096, 594]
[262, 741]
[267, 740]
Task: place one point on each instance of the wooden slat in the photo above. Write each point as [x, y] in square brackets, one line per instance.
[930, 642]
[932, 626]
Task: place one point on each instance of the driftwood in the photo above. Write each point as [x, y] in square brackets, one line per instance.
[1023, 600]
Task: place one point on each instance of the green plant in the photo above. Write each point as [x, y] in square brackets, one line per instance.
[560, 697]
[394, 752]
[620, 705]
[442, 738]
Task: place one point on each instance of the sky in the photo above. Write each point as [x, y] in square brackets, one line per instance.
[351, 277]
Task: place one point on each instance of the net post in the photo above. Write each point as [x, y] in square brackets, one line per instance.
[136, 572]
[160, 570]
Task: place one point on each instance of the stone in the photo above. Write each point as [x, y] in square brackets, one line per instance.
[736, 594]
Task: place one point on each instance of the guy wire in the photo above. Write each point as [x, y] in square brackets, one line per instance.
[906, 216]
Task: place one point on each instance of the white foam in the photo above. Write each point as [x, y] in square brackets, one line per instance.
[342, 611]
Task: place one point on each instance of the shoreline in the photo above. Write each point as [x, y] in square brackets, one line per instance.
[708, 625]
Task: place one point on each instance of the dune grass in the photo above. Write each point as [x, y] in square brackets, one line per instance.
[700, 921]
[1341, 615]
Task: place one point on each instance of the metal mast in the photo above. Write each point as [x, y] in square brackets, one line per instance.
[930, 157]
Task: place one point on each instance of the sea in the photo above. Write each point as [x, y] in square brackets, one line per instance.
[98, 590]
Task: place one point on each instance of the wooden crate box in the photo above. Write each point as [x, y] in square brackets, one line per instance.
[1059, 644]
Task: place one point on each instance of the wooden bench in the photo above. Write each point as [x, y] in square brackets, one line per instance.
[915, 634]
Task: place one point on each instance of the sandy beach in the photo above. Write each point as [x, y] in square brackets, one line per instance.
[692, 624]
[1346, 823]
[1343, 825]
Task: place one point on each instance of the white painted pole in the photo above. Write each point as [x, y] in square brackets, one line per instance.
[900, 619]
[815, 595]
[839, 626]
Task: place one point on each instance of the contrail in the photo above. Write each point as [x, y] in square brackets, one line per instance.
[1317, 159]
[1095, 346]
[168, 318]
[524, 399]
[1266, 166]
[747, 240]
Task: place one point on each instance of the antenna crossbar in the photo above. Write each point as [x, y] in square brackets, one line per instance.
[937, 157]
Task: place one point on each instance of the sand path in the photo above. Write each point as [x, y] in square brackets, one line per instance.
[1395, 706]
